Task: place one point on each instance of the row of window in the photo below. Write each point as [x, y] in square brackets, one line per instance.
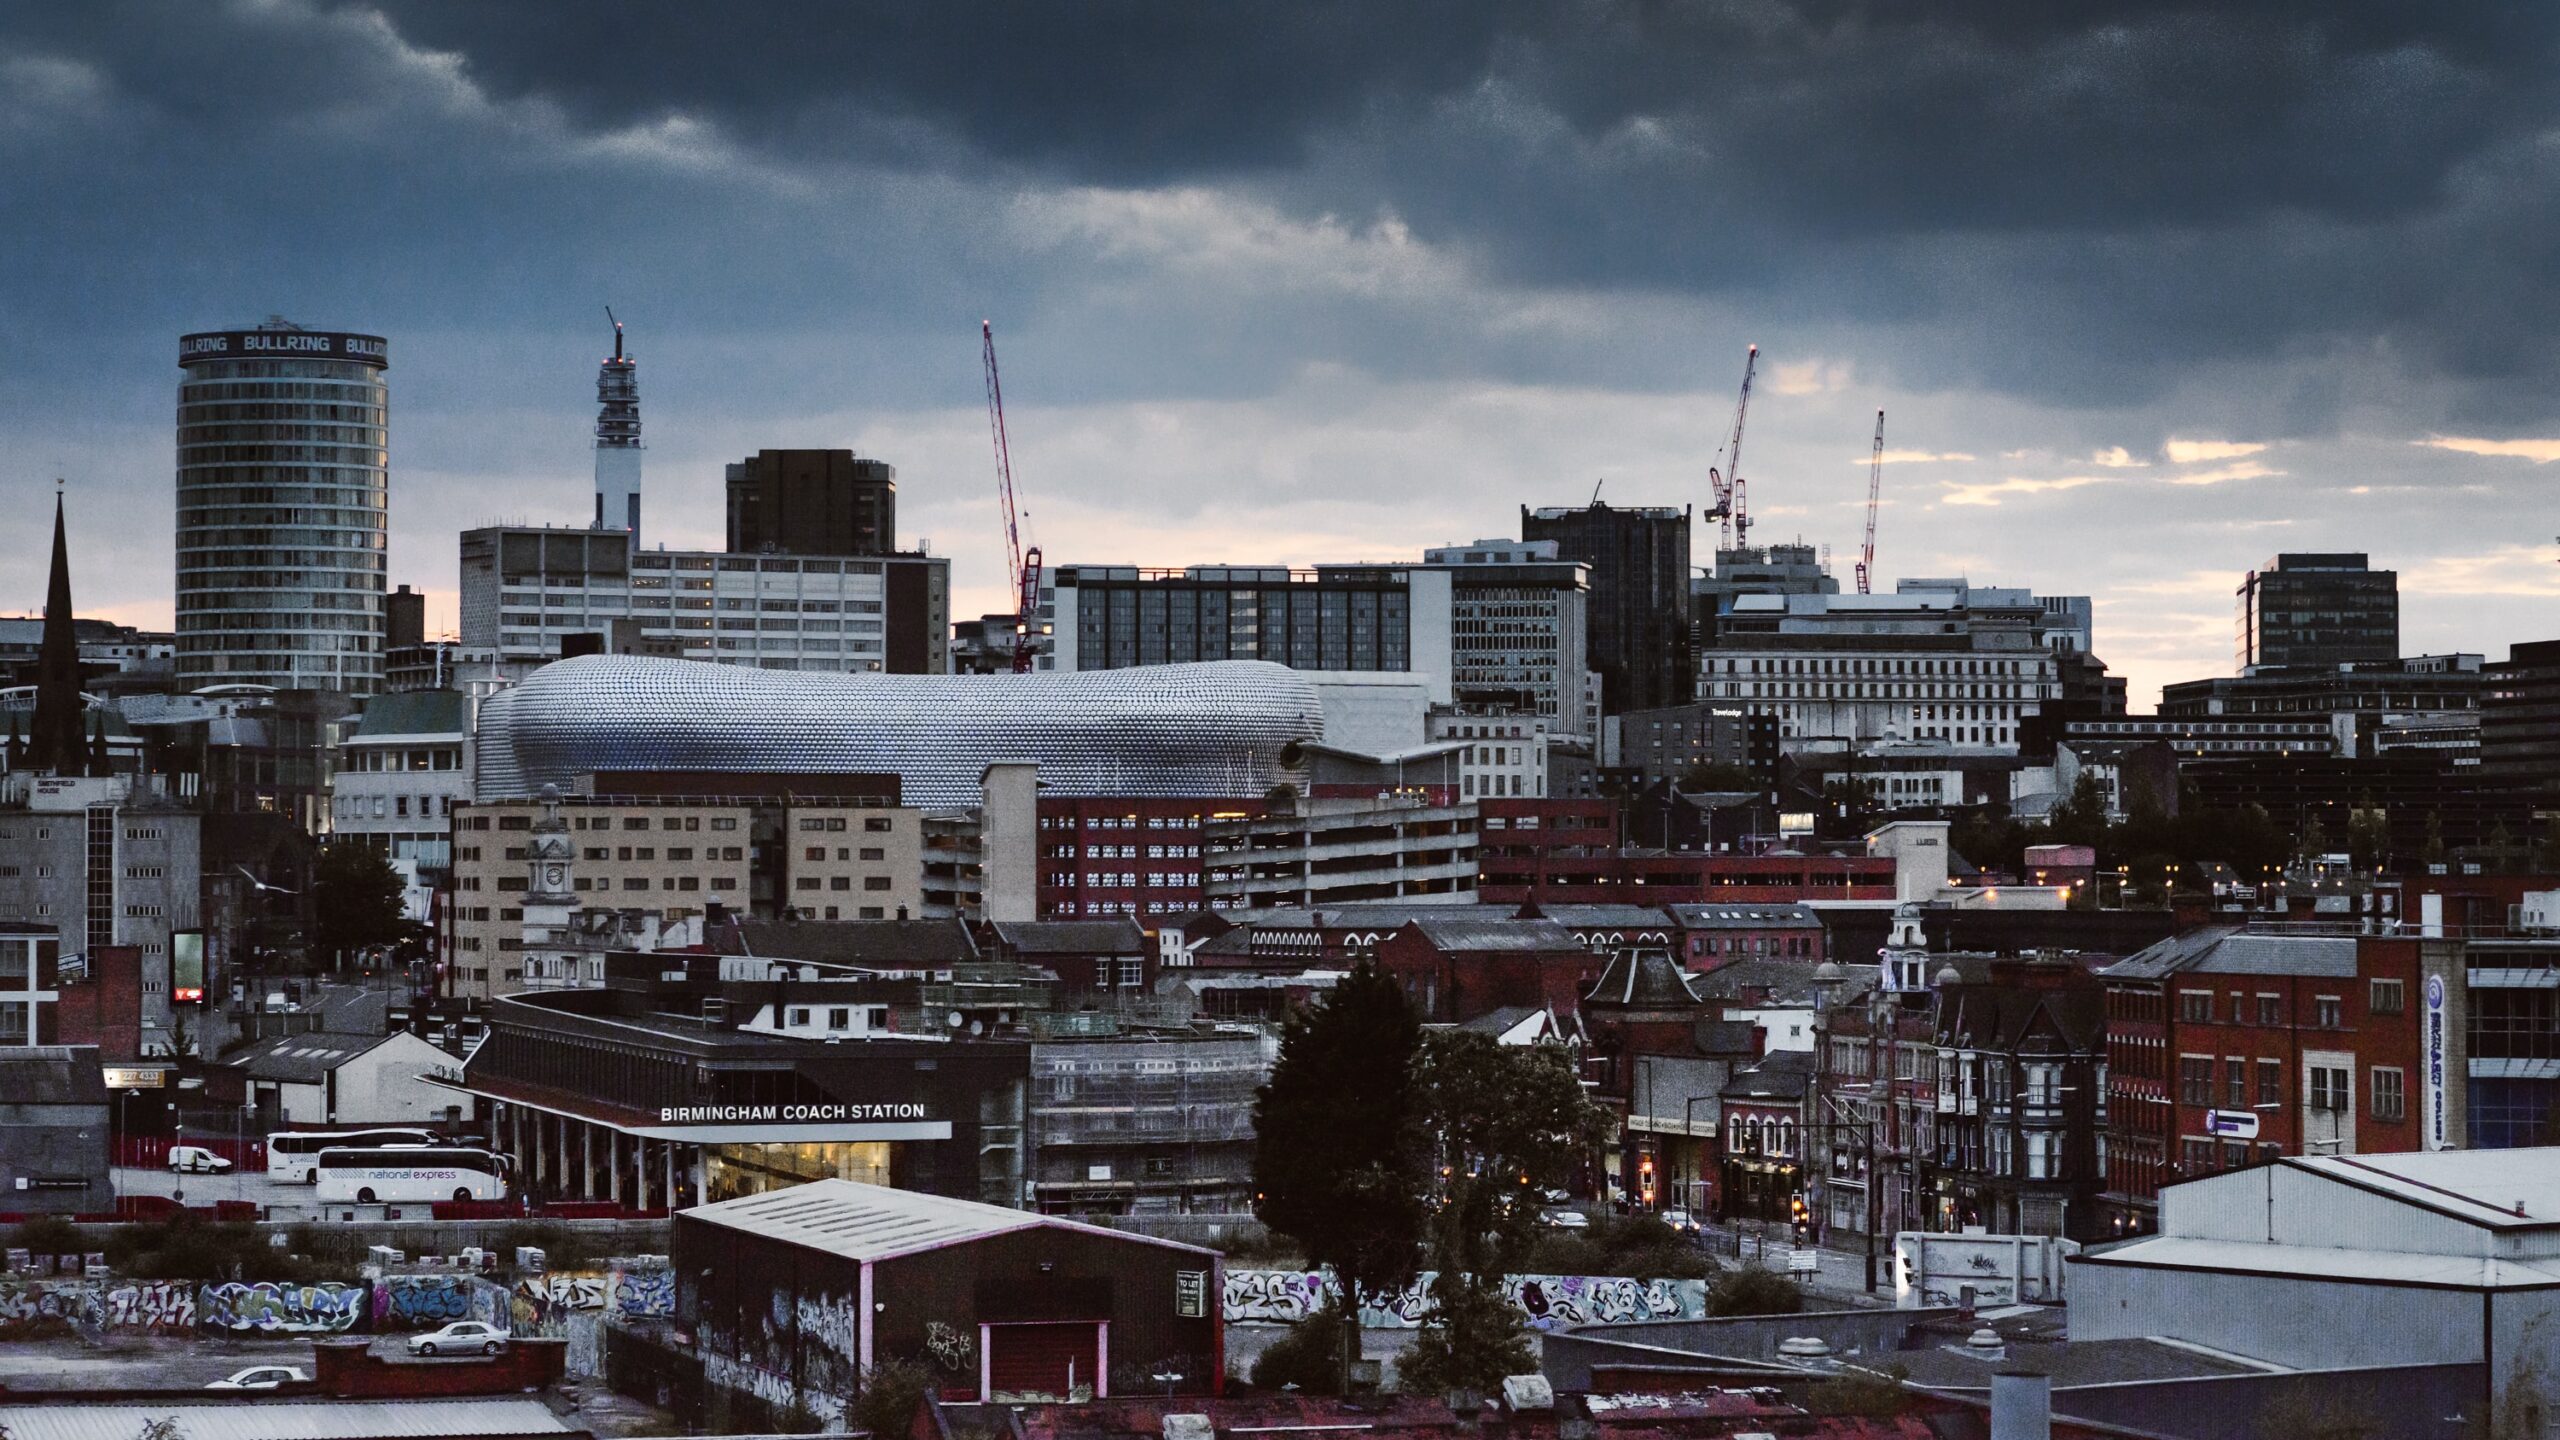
[2259, 1084]
[2328, 1012]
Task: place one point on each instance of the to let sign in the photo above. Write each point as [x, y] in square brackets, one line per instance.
[2238, 1124]
[1191, 1294]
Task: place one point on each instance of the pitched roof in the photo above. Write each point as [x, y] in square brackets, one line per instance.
[874, 1222]
[1780, 1075]
[299, 1059]
[887, 944]
[1606, 914]
[1073, 937]
[1468, 929]
[1977, 1016]
[1744, 917]
[1639, 978]
[2230, 950]
[51, 1075]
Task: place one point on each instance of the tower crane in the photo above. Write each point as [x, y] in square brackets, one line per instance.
[1875, 487]
[1024, 565]
[1732, 498]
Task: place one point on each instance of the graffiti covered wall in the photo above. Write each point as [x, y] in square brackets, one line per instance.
[1288, 1296]
[420, 1302]
[151, 1305]
[573, 1305]
[270, 1308]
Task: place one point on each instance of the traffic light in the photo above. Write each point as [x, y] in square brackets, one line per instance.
[1800, 1218]
[1644, 1179]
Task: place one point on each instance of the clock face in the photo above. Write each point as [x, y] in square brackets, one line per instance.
[551, 877]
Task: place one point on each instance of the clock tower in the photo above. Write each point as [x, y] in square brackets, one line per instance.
[552, 958]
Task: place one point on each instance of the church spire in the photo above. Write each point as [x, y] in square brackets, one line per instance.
[56, 745]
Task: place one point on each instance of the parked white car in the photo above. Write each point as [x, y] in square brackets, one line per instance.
[197, 1160]
[460, 1338]
[262, 1377]
[1563, 1219]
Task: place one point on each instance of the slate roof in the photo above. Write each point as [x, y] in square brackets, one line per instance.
[1642, 979]
[51, 1075]
[1782, 1075]
[1606, 914]
[1786, 982]
[887, 944]
[1998, 1018]
[1712, 916]
[2231, 950]
[1073, 937]
[1468, 930]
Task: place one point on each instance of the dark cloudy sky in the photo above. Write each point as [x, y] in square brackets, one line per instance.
[2149, 291]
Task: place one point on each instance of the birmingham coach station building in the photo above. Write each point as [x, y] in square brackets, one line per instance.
[672, 1086]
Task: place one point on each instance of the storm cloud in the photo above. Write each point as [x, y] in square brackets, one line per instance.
[1339, 280]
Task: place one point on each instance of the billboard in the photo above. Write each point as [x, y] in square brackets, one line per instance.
[186, 967]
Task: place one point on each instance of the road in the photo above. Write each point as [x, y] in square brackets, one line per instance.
[253, 1186]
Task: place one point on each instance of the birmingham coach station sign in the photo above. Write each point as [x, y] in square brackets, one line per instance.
[716, 1114]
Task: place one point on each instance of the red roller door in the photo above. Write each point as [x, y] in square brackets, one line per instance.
[1050, 1361]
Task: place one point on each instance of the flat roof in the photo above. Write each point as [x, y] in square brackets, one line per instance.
[873, 1222]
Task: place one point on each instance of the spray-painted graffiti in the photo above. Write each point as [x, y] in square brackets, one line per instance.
[639, 1294]
[283, 1309]
[952, 1349]
[549, 1299]
[1289, 1296]
[420, 1302]
[1605, 1299]
[1286, 1296]
[152, 1305]
[74, 1304]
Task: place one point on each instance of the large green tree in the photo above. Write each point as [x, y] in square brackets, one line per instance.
[1339, 1157]
[1506, 1124]
[355, 901]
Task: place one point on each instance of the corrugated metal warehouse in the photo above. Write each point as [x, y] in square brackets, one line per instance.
[794, 1293]
[2443, 1257]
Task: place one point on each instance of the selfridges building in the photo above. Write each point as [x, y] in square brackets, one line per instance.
[1219, 728]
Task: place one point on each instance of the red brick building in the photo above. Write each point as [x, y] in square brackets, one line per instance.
[1512, 834]
[1716, 935]
[2228, 1046]
[1469, 962]
[1655, 877]
[1103, 856]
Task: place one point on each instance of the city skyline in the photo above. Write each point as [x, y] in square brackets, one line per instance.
[1340, 316]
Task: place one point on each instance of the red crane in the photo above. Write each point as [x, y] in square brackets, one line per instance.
[1022, 564]
[1875, 487]
[1732, 497]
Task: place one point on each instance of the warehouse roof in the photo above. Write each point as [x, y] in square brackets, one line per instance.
[2497, 1189]
[299, 1059]
[874, 1222]
[273, 1419]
